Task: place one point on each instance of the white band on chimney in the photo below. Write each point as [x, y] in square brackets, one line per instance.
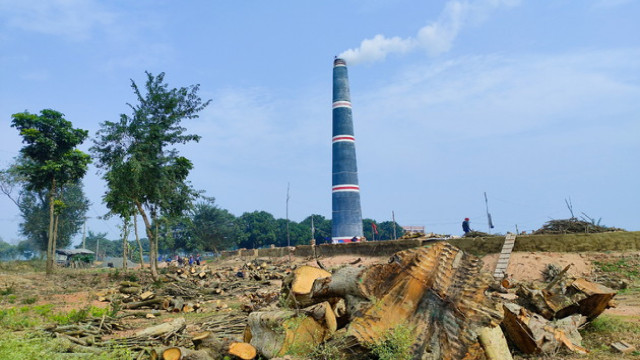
[339, 138]
[345, 187]
[342, 103]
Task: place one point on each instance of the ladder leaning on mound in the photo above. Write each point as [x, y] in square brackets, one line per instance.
[505, 256]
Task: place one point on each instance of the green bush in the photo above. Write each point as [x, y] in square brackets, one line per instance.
[30, 300]
[395, 344]
[8, 290]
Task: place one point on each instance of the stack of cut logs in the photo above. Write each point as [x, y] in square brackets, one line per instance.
[190, 287]
[440, 294]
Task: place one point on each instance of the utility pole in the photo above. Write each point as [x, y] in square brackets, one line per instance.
[288, 238]
[84, 233]
[393, 218]
[313, 229]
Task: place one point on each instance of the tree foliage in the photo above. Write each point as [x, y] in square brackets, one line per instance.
[34, 208]
[49, 161]
[322, 227]
[136, 154]
[213, 228]
[8, 251]
[260, 229]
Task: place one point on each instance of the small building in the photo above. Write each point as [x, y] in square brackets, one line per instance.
[74, 257]
[413, 229]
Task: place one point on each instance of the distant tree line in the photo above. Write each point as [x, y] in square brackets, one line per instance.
[209, 228]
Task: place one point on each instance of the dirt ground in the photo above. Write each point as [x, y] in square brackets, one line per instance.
[77, 289]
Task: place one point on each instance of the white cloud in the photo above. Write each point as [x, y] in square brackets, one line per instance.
[73, 19]
[435, 38]
[493, 97]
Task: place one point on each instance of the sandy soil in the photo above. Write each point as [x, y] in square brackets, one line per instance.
[528, 266]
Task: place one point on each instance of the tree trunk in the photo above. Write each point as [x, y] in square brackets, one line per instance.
[275, 333]
[296, 287]
[437, 293]
[50, 249]
[125, 244]
[135, 230]
[153, 253]
[164, 328]
[155, 257]
[56, 219]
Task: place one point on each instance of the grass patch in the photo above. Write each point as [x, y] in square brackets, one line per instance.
[624, 267]
[26, 317]
[395, 344]
[40, 345]
[22, 266]
[607, 324]
[75, 316]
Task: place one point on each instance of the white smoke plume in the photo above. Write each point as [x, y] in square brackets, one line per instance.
[435, 38]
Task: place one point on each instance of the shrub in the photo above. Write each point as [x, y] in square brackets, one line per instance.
[395, 344]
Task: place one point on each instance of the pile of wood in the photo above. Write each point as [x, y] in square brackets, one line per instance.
[544, 319]
[437, 292]
[207, 346]
[572, 225]
[440, 294]
[188, 289]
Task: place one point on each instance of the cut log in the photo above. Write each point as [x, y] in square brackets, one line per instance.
[147, 303]
[494, 343]
[597, 298]
[438, 292]
[533, 334]
[147, 295]
[276, 333]
[180, 353]
[296, 287]
[188, 307]
[243, 350]
[176, 304]
[172, 353]
[579, 297]
[130, 290]
[164, 328]
[206, 340]
[324, 314]
[345, 281]
[623, 347]
[246, 334]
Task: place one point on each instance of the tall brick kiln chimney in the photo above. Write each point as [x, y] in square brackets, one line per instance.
[345, 191]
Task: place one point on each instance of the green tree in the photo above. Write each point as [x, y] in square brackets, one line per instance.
[99, 243]
[26, 249]
[321, 226]
[8, 251]
[385, 230]
[298, 234]
[140, 166]
[51, 160]
[259, 228]
[213, 228]
[34, 208]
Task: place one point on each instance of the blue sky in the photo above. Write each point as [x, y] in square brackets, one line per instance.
[533, 102]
